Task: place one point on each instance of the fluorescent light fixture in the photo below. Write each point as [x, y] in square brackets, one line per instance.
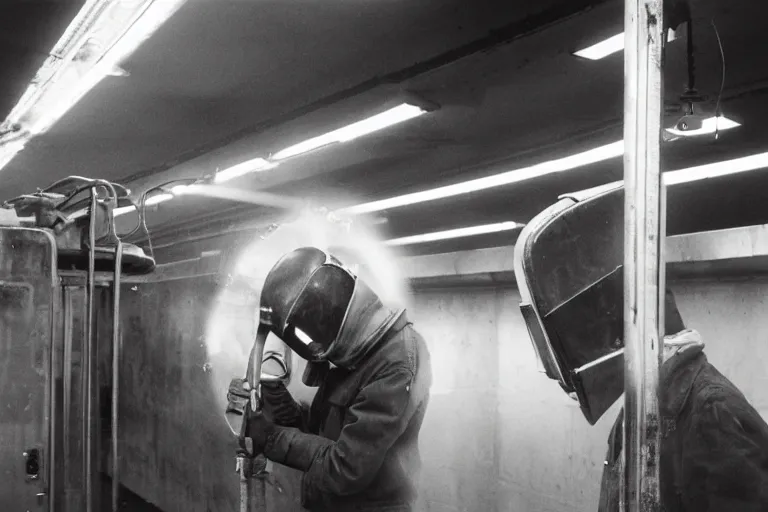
[255, 165]
[716, 169]
[710, 125]
[691, 174]
[613, 44]
[10, 150]
[455, 233]
[604, 48]
[399, 114]
[599, 154]
[103, 33]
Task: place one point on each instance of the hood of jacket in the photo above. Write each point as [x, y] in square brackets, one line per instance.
[367, 320]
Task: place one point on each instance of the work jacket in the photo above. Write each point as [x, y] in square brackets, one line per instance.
[714, 446]
[358, 442]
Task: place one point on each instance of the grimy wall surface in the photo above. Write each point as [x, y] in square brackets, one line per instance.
[499, 436]
[502, 437]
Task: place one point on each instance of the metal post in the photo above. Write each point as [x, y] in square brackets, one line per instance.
[643, 261]
[116, 358]
[67, 384]
[89, 358]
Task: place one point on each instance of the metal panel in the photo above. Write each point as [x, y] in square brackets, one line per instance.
[27, 299]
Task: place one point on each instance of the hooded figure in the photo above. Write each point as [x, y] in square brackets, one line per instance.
[358, 442]
[714, 444]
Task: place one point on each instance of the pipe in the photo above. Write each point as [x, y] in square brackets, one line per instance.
[89, 353]
[116, 356]
[643, 255]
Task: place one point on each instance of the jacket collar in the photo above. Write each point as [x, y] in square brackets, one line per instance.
[367, 321]
[676, 379]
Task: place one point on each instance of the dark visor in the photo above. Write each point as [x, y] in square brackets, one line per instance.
[320, 308]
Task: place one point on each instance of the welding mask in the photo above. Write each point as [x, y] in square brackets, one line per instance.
[569, 269]
[305, 299]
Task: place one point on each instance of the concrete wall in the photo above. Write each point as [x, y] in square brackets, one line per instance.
[500, 436]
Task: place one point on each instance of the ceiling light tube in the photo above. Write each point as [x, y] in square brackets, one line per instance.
[399, 114]
[254, 165]
[690, 174]
[603, 49]
[10, 150]
[454, 233]
[613, 44]
[599, 154]
[103, 33]
[717, 169]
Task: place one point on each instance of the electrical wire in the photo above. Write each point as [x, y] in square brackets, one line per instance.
[141, 209]
[722, 80]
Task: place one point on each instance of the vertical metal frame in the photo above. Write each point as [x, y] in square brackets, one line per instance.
[643, 258]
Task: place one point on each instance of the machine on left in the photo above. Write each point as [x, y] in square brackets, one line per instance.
[60, 276]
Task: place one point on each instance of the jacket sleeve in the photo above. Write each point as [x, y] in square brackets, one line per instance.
[379, 414]
[721, 461]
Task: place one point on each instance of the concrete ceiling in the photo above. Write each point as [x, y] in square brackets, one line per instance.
[226, 81]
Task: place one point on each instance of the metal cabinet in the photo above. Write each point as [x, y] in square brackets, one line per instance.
[53, 445]
[28, 295]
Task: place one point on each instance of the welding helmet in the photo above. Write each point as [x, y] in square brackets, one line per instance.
[569, 267]
[304, 300]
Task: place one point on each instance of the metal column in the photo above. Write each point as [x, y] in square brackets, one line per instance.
[643, 256]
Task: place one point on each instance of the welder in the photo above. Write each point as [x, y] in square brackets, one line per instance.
[714, 446]
[357, 444]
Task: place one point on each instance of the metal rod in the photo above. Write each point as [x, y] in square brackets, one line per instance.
[67, 385]
[643, 259]
[116, 357]
[90, 352]
[54, 365]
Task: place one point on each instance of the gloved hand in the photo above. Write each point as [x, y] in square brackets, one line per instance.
[260, 430]
[257, 427]
[280, 404]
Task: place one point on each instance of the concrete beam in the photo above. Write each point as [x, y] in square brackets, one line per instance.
[737, 251]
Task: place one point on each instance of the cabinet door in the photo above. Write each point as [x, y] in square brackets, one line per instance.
[27, 284]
